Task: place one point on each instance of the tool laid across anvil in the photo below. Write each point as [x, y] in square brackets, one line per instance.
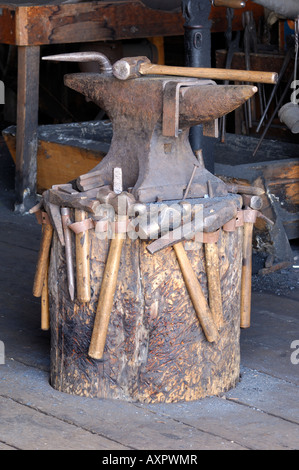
[151, 118]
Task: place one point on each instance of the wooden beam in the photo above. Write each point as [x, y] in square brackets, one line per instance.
[27, 122]
[34, 24]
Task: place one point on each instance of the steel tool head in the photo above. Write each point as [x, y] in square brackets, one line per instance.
[101, 59]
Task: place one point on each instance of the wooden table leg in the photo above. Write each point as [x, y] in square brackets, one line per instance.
[27, 122]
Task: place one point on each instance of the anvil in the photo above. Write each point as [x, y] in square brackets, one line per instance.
[151, 117]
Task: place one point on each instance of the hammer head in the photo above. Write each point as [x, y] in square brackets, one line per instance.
[129, 67]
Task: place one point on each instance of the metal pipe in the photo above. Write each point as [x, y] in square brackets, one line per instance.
[197, 39]
[274, 90]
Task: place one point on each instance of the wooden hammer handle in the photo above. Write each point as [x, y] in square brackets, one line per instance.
[99, 334]
[197, 296]
[43, 257]
[82, 260]
[229, 3]
[246, 275]
[209, 73]
[214, 285]
[45, 310]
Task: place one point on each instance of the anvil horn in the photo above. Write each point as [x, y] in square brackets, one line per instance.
[207, 103]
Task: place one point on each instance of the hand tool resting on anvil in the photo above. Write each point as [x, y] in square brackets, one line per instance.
[151, 118]
[133, 67]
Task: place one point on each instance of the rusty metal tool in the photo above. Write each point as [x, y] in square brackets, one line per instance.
[244, 189]
[213, 217]
[85, 201]
[109, 281]
[54, 214]
[66, 221]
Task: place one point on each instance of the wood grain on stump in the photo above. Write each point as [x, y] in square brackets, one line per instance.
[156, 350]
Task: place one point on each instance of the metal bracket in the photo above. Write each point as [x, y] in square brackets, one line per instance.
[171, 104]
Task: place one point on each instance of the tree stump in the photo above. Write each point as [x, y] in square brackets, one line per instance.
[156, 350]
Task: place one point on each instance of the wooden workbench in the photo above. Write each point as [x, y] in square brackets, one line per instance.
[33, 24]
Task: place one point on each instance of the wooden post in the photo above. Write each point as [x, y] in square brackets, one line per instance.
[27, 122]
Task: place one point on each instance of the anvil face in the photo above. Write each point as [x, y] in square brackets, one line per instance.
[155, 155]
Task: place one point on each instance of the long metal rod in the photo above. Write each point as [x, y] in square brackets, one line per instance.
[273, 115]
[274, 90]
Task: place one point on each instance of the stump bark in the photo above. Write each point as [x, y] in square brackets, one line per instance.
[156, 350]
